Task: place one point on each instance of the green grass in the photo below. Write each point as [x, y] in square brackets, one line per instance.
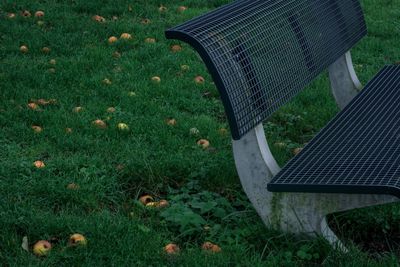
[113, 168]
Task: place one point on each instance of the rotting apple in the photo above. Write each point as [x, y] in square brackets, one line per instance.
[204, 143]
[77, 240]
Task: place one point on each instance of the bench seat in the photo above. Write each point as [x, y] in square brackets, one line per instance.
[358, 151]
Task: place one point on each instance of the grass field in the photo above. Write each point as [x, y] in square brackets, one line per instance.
[109, 169]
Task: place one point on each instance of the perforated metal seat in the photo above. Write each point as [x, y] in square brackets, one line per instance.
[358, 151]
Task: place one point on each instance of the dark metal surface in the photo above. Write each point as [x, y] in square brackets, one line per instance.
[261, 53]
[358, 151]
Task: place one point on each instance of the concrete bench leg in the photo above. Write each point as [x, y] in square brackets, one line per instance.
[291, 212]
[344, 81]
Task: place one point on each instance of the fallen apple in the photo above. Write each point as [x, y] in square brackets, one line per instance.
[98, 18]
[107, 81]
[11, 15]
[171, 122]
[111, 110]
[112, 39]
[199, 79]
[39, 14]
[40, 22]
[208, 246]
[223, 131]
[152, 204]
[185, 67]
[33, 106]
[297, 150]
[204, 143]
[46, 50]
[77, 240]
[150, 40]
[171, 249]
[23, 49]
[126, 36]
[162, 8]
[99, 124]
[73, 186]
[131, 94]
[37, 129]
[26, 13]
[68, 130]
[77, 109]
[182, 9]
[52, 61]
[123, 126]
[176, 48]
[41, 248]
[162, 203]
[39, 164]
[156, 79]
[146, 199]
[146, 21]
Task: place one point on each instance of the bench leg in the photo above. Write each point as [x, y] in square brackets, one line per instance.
[291, 212]
[344, 81]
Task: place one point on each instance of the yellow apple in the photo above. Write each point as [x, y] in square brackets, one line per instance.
[11, 15]
[23, 49]
[107, 81]
[123, 126]
[176, 48]
[162, 8]
[111, 110]
[171, 122]
[41, 248]
[126, 36]
[37, 129]
[46, 50]
[156, 79]
[185, 67]
[297, 150]
[73, 186]
[77, 240]
[77, 109]
[52, 62]
[150, 40]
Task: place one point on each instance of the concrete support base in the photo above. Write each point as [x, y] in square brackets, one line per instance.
[291, 212]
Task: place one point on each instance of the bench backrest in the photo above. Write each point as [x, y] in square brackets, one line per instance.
[263, 52]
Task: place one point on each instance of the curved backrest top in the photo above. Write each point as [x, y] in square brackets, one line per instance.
[263, 52]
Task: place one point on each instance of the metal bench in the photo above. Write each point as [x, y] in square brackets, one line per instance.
[261, 53]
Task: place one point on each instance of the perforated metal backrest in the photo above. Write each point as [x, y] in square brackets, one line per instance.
[262, 53]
